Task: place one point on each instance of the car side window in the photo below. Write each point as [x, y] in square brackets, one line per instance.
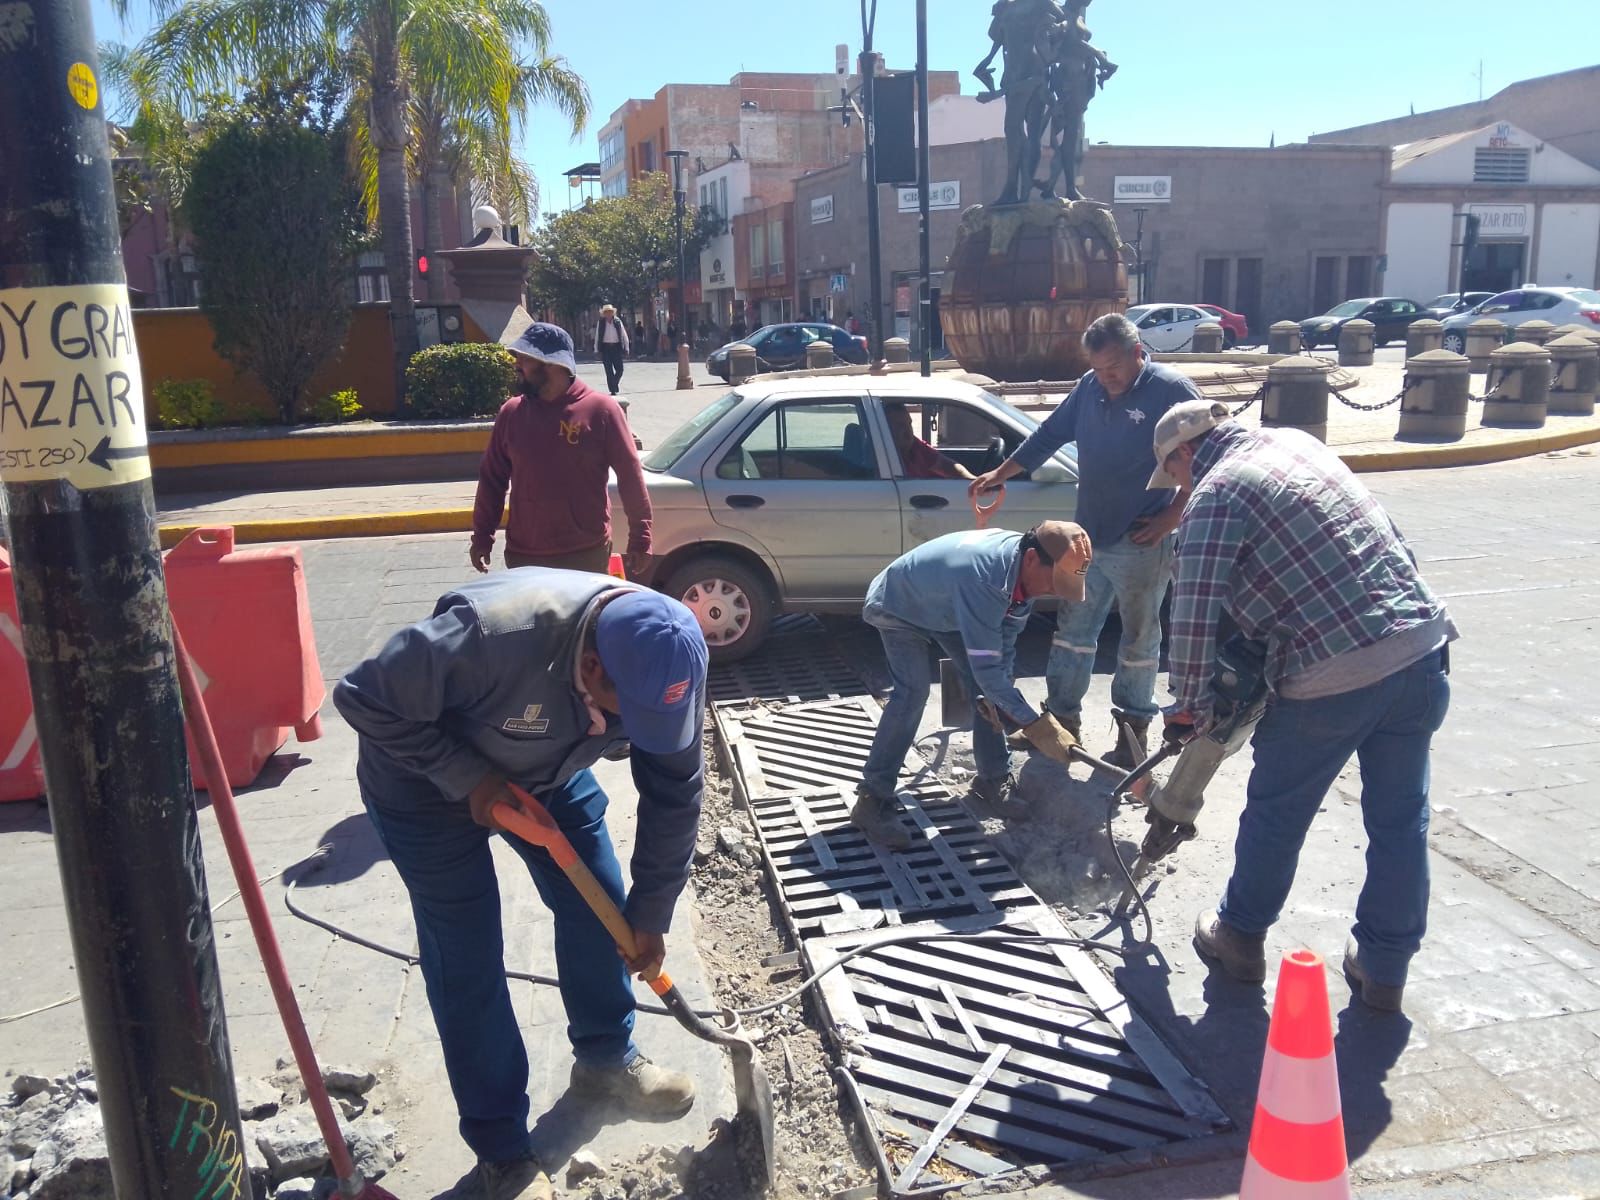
[1404, 308]
[1158, 316]
[1544, 300]
[1504, 302]
[970, 437]
[816, 440]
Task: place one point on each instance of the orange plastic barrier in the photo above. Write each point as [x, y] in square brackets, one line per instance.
[246, 620]
[615, 567]
[21, 769]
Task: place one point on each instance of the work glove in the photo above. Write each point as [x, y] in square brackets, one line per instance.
[1050, 738]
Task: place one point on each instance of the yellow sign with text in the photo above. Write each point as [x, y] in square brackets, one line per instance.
[71, 397]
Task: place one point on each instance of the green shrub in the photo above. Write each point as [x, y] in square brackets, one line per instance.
[340, 406]
[466, 379]
[186, 404]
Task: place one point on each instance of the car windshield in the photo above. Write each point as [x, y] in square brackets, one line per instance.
[1350, 308]
[1137, 311]
[1447, 300]
[1584, 296]
[665, 456]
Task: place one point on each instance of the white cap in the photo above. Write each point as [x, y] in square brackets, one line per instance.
[1179, 424]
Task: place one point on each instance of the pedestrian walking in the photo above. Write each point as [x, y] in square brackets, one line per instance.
[968, 594]
[640, 346]
[528, 677]
[555, 445]
[1110, 414]
[611, 344]
[1281, 542]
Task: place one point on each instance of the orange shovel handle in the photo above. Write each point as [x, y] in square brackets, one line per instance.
[533, 823]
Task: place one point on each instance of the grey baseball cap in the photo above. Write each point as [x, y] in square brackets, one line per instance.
[1179, 424]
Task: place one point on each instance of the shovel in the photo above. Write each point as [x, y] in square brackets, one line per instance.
[752, 1091]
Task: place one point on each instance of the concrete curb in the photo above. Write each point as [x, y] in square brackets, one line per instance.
[459, 520]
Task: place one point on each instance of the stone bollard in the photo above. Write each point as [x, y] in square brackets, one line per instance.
[1207, 338]
[1484, 336]
[1519, 384]
[1536, 332]
[897, 350]
[1422, 336]
[1575, 375]
[1283, 338]
[1584, 330]
[1437, 395]
[685, 380]
[1297, 396]
[819, 354]
[1356, 343]
[741, 362]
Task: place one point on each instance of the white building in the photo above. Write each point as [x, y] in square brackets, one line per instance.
[1538, 211]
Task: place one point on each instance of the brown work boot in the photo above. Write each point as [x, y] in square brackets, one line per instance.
[1385, 997]
[997, 792]
[1072, 724]
[1122, 755]
[641, 1087]
[517, 1179]
[878, 818]
[1242, 955]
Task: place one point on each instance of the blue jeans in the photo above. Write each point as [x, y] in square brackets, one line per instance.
[1136, 577]
[906, 649]
[444, 860]
[1300, 748]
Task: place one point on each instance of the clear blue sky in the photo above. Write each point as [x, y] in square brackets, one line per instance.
[1193, 72]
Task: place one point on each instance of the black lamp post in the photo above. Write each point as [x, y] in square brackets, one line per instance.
[1138, 249]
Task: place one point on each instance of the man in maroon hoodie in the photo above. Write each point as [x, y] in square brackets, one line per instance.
[554, 445]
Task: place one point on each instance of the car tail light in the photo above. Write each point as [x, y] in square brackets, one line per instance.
[1592, 314]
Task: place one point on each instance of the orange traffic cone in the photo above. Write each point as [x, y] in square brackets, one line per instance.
[615, 567]
[1297, 1141]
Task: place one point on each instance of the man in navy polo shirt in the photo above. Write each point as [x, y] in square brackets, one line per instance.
[1111, 415]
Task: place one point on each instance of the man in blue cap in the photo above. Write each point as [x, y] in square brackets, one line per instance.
[528, 676]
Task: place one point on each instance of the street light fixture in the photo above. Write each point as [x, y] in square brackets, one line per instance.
[678, 197]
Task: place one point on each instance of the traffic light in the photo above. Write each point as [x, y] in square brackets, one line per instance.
[422, 263]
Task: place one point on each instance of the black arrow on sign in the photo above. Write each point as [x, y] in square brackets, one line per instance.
[102, 454]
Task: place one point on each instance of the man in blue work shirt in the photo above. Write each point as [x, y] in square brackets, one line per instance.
[529, 676]
[1111, 414]
[969, 594]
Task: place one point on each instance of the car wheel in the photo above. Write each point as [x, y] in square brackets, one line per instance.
[730, 601]
[1456, 343]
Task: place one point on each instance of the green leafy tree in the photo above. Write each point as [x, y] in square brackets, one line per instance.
[617, 249]
[276, 222]
[478, 61]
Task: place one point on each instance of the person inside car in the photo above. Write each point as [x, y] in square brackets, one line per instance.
[918, 459]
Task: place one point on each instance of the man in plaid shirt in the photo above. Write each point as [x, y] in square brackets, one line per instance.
[1282, 541]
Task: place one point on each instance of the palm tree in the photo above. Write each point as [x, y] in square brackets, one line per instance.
[467, 58]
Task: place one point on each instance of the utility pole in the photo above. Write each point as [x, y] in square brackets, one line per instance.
[868, 67]
[96, 632]
[925, 287]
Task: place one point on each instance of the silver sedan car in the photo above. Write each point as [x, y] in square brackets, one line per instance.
[790, 495]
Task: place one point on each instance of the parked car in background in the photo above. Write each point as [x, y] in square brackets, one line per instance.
[790, 495]
[1235, 328]
[783, 347]
[1451, 303]
[1558, 305]
[1168, 327]
[1391, 316]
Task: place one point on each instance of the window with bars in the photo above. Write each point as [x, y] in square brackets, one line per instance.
[1500, 164]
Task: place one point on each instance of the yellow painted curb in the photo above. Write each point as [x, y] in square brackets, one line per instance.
[1472, 454]
[172, 455]
[304, 529]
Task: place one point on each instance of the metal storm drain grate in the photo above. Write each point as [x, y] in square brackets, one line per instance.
[970, 1060]
[798, 662]
[965, 1059]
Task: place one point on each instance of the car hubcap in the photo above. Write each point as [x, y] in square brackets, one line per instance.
[722, 609]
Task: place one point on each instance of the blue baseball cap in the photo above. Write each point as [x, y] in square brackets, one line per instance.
[655, 656]
[547, 343]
